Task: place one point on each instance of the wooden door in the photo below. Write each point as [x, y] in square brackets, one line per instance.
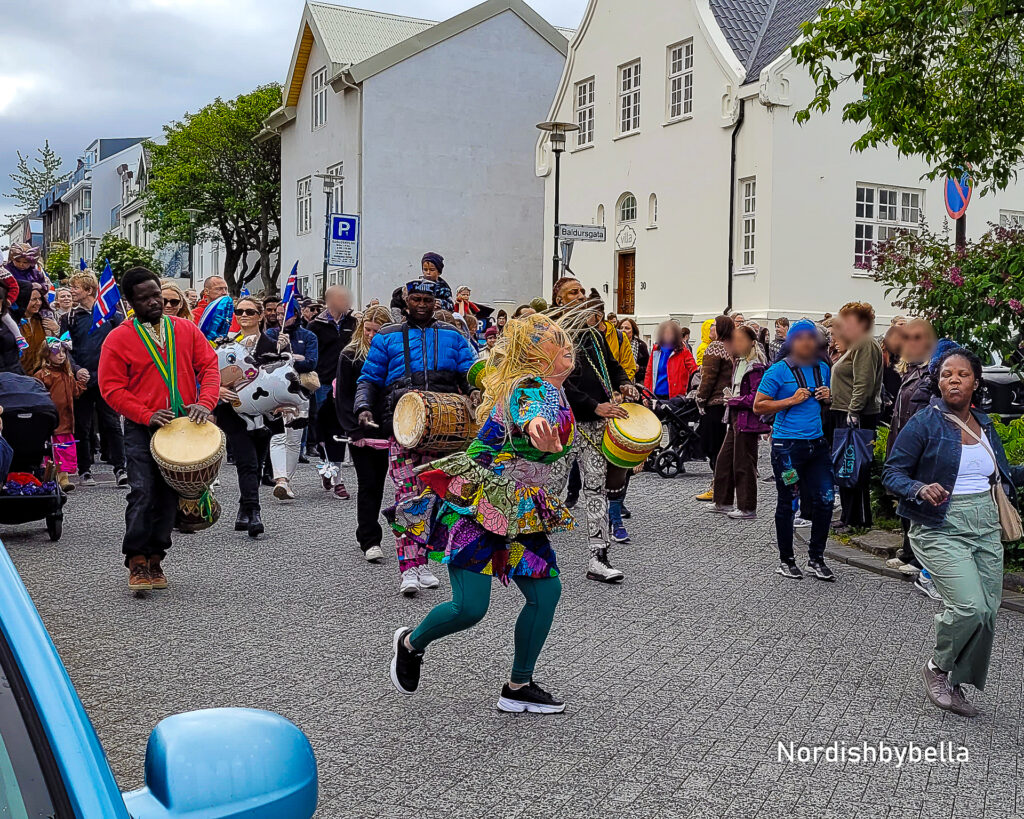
[626, 291]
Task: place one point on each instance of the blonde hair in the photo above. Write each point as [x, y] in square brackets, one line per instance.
[183, 308]
[518, 357]
[86, 279]
[358, 346]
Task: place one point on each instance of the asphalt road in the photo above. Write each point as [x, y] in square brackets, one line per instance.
[681, 683]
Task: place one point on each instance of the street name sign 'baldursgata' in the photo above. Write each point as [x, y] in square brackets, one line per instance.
[582, 233]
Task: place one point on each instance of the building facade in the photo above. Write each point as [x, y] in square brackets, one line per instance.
[711, 194]
[432, 127]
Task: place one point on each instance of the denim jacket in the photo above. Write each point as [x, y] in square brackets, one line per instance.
[928, 451]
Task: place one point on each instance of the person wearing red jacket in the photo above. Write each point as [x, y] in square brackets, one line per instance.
[131, 382]
[671, 365]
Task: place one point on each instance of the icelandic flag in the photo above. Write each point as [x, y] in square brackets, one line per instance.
[245, 293]
[291, 293]
[81, 263]
[107, 299]
[51, 294]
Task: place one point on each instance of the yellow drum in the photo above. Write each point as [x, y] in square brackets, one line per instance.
[628, 441]
[434, 422]
[189, 455]
[475, 376]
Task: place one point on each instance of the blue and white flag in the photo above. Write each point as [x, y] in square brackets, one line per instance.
[290, 297]
[81, 263]
[245, 293]
[107, 299]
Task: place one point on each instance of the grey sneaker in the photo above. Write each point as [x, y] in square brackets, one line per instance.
[960, 704]
[925, 585]
[87, 479]
[936, 686]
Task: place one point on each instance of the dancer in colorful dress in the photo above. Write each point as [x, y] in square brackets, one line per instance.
[487, 513]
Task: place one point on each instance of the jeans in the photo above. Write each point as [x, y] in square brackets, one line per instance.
[249, 450]
[87, 404]
[812, 462]
[152, 504]
[371, 471]
[327, 426]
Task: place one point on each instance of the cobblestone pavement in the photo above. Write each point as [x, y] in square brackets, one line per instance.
[680, 683]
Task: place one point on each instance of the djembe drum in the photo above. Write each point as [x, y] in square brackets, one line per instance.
[189, 456]
[628, 441]
[434, 422]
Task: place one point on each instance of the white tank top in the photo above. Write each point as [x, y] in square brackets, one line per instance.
[976, 469]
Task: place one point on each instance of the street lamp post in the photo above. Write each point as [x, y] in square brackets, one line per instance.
[332, 182]
[193, 214]
[556, 137]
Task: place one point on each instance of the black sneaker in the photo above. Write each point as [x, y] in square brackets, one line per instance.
[87, 479]
[405, 664]
[530, 698]
[626, 514]
[820, 570]
[790, 570]
[121, 477]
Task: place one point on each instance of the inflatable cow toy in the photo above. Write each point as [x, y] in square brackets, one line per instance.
[265, 389]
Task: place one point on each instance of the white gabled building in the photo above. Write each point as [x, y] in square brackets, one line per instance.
[432, 126]
[690, 157]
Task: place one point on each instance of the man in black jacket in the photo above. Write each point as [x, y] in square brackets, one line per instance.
[333, 329]
[591, 389]
[86, 344]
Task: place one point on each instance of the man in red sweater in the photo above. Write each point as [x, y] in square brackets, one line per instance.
[132, 384]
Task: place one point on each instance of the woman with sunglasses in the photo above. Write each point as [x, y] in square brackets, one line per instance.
[248, 447]
[175, 303]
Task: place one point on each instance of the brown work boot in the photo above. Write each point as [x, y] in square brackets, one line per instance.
[64, 482]
[156, 574]
[139, 578]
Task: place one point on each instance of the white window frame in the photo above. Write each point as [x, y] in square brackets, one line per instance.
[629, 216]
[338, 191]
[583, 96]
[880, 212]
[679, 87]
[629, 98]
[652, 212]
[304, 205]
[318, 113]
[1011, 219]
[748, 223]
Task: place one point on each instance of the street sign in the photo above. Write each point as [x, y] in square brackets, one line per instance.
[582, 233]
[958, 195]
[344, 244]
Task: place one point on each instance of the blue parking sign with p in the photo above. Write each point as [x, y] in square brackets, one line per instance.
[344, 245]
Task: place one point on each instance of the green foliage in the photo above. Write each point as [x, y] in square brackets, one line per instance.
[209, 163]
[940, 79]
[971, 294]
[123, 256]
[34, 176]
[58, 261]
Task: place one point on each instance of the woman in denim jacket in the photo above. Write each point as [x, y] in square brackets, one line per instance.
[943, 476]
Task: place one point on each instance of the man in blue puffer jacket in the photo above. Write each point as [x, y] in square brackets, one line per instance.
[419, 354]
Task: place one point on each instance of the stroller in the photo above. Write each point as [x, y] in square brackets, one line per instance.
[29, 419]
[679, 440]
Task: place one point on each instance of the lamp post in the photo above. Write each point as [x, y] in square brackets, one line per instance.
[193, 214]
[331, 182]
[556, 138]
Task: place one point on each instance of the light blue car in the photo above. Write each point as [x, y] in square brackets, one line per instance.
[225, 763]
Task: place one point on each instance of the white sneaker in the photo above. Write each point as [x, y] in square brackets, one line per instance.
[428, 580]
[801, 523]
[283, 490]
[410, 583]
[737, 514]
[718, 510]
[601, 569]
[900, 566]
[373, 554]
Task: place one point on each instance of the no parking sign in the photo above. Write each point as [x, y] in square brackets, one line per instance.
[958, 195]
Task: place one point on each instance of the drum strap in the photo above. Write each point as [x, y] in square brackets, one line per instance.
[167, 367]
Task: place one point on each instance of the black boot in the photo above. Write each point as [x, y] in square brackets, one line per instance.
[256, 527]
[242, 521]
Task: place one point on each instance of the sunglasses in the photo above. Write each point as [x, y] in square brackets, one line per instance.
[172, 302]
[248, 311]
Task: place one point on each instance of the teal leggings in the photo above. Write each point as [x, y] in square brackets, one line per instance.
[471, 595]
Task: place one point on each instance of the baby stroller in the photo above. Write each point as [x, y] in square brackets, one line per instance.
[679, 440]
[29, 419]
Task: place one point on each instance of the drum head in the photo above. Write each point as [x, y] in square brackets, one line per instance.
[642, 426]
[183, 442]
[410, 420]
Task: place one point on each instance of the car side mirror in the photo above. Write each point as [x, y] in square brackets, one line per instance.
[233, 763]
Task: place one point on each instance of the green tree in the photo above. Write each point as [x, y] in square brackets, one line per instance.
[210, 163]
[941, 79]
[123, 255]
[34, 176]
[58, 261]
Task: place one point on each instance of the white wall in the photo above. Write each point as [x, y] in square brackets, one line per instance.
[106, 187]
[448, 162]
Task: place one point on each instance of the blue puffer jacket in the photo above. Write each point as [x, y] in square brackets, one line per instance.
[402, 357]
[928, 451]
[304, 343]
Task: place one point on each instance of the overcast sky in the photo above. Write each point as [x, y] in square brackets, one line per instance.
[75, 70]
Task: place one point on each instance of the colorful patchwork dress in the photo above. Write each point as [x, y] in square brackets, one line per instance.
[488, 509]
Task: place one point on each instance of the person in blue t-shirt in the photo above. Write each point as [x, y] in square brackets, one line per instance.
[794, 390]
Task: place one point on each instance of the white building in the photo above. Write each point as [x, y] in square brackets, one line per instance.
[666, 99]
[432, 126]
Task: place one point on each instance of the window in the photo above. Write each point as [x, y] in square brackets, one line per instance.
[86, 200]
[652, 211]
[585, 113]
[201, 260]
[319, 98]
[600, 214]
[304, 206]
[115, 216]
[215, 260]
[680, 80]
[748, 232]
[882, 212]
[136, 231]
[629, 98]
[338, 192]
[627, 209]
[1011, 219]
